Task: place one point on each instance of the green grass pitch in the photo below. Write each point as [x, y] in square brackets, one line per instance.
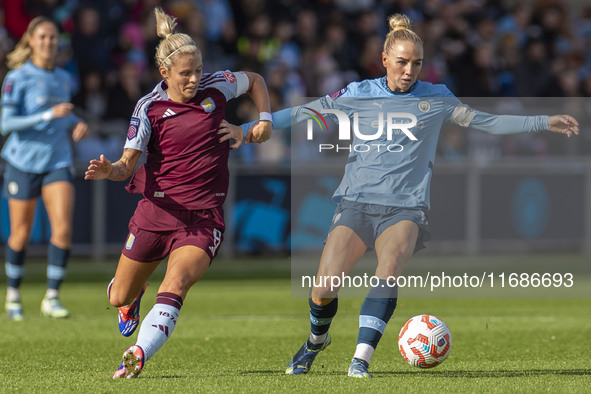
[240, 326]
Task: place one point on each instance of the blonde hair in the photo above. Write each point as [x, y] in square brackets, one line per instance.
[400, 31]
[172, 43]
[22, 51]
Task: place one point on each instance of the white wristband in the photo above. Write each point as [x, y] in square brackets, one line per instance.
[47, 115]
[266, 116]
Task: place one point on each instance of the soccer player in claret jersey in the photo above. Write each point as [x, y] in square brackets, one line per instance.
[38, 115]
[184, 183]
[384, 196]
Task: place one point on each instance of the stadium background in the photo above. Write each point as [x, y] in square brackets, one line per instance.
[517, 194]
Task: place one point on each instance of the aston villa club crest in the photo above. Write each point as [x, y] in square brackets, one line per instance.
[208, 105]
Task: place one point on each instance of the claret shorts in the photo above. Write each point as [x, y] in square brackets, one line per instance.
[154, 232]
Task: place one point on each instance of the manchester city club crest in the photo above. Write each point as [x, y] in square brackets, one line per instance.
[424, 106]
[208, 105]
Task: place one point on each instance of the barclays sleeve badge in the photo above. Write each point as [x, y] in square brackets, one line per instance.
[134, 124]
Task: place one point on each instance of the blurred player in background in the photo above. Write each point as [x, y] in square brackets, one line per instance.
[384, 196]
[184, 183]
[37, 114]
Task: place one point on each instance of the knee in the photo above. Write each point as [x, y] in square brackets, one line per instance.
[19, 237]
[118, 298]
[61, 233]
[321, 301]
[178, 286]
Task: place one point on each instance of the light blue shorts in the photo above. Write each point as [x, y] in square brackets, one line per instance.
[368, 221]
[22, 185]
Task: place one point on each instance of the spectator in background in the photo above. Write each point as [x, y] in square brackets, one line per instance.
[257, 46]
[90, 48]
[533, 76]
[16, 18]
[6, 45]
[128, 89]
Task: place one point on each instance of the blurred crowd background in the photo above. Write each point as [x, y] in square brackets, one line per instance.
[303, 48]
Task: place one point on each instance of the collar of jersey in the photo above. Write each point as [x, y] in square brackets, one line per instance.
[385, 85]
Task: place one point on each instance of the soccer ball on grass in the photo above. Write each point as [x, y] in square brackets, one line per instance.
[424, 341]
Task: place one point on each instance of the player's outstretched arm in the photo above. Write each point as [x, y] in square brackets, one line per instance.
[563, 124]
[118, 171]
[257, 89]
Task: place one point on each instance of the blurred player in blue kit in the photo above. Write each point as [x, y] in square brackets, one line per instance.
[37, 113]
[184, 183]
[383, 198]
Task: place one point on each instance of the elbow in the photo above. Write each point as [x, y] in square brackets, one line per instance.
[256, 80]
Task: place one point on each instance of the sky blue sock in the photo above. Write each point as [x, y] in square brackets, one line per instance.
[57, 259]
[321, 316]
[15, 266]
[376, 311]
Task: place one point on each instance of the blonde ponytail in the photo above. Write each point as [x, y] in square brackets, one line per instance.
[172, 43]
[400, 31]
[22, 51]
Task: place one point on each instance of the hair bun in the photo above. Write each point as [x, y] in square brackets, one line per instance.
[399, 22]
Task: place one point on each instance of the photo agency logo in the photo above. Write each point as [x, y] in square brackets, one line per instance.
[368, 130]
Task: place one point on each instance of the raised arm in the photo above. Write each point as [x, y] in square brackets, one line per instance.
[118, 171]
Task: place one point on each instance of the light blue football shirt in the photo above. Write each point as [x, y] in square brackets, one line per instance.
[37, 142]
[395, 168]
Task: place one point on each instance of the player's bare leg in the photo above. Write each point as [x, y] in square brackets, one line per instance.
[58, 198]
[394, 247]
[126, 290]
[21, 214]
[186, 265]
[342, 251]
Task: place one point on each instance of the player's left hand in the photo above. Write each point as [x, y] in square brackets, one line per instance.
[259, 132]
[80, 131]
[230, 131]
[563, 124]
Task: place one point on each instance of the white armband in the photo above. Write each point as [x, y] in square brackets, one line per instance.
[462, 115]
[242, 83]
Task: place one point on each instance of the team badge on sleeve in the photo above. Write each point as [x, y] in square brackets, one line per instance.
[133, 126]
[208, 105]
[338, 94]
[229, 76]
[8, 87]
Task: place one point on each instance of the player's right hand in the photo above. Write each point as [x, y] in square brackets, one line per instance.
[98, 169]
[62, 110]
[259, 132]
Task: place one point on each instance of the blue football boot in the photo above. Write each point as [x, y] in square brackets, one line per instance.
[303, 359]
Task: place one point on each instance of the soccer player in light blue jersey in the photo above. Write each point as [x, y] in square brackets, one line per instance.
[37, 114]
[384, 195]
